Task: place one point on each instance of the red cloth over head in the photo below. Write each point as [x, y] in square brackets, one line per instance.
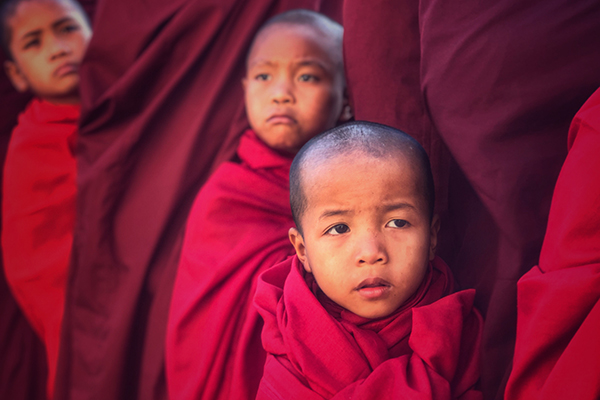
[427, 349]
[38, 207]
[557, 353]
[238, 227]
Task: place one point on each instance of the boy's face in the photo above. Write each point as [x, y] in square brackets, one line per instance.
[294, 87]
[48, 42]
[367, 235]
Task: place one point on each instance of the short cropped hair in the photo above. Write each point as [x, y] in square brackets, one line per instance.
[372, 139]
[8, 8]
[329, 27]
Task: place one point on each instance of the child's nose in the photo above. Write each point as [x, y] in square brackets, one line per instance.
[371, 249]
[282, 92]
[58, 47]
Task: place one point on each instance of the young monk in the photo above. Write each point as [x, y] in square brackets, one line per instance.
[44, 41]
[557, 352]
[294, 89]
[365, 309]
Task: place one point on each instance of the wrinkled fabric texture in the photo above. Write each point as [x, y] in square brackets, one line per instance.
[427, 349]
[237, 228]
[557, 353]
[38, 209]
[489, 89]
[162, 107]
[23, 369]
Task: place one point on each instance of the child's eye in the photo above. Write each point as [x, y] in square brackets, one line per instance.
[31, 43]
[308, 78]
[262, 77]
[70, 28]
[338, 229]
[397, 223]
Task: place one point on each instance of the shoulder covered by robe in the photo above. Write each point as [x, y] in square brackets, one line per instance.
[38, 206]
[237, 228]
[557, 354]
[427, 349]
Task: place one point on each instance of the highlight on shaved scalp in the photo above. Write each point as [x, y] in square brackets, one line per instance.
[328, 27]
[8, 8]
[372, 139]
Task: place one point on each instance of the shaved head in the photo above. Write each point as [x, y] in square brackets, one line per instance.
[358, 139]
[329, 29]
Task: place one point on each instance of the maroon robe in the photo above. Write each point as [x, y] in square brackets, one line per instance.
[162, 107]
[489, 89]
[557, 352]
[238, 227]
[427, 349]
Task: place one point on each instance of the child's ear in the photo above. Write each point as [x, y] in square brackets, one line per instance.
[298, 242]
[244, 83]
[435, 228]
[16, 77]
[346, 114]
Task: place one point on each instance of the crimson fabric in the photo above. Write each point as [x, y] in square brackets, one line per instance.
[489, 89]
[427, 349]
[23, 369]
[38, 208]
[237, 228]
[162, 107]
[557, 353]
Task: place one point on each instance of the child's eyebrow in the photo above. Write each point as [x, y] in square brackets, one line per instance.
[30, 34]
[398, 206]
[332, 213]
[62, 21]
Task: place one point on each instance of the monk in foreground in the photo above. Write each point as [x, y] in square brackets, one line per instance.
[365, 310]
[44, 41]
[237, 228]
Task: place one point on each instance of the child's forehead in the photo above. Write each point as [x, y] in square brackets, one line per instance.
[305, 37]
[26, 12]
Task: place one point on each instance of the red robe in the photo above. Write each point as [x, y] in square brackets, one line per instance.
[38, 216]
[489, 89]
[557, 353]
[427, 349]
[162, 108]
[237, 228]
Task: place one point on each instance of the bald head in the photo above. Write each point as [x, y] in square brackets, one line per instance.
[359, 139]
[329, 30]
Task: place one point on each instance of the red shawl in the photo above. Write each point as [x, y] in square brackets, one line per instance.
[557, 354]
[427, 349]
[237, 228]
[38, 216]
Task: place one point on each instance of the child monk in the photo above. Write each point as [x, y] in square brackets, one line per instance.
[44, 41]
[294, 89]
[365, 310]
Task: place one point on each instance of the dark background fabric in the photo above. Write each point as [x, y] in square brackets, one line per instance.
[489, 89]
[162, 106]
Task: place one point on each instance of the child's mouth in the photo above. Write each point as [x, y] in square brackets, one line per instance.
[281, 119]
[373, 288]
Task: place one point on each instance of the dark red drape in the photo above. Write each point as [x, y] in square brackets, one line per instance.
[161, 107]
[489, 89]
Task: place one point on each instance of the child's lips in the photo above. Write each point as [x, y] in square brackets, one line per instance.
[373, 288]
[281, 119]
[65, 69]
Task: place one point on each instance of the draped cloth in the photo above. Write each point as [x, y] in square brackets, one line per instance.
[162, 107]
[489, 89]
[557, 353]
[238, 227]
[427, 349]
[38, 208]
